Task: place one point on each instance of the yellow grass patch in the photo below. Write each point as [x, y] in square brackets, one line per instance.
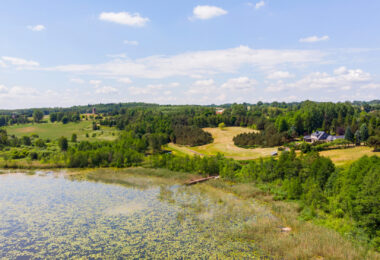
[346, 156]
[224, 144]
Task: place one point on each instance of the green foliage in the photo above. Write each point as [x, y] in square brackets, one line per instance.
[374, 141]
[222, 126]
[39, 143]
[348, 135]
[63, 143]
[267, 138]
[305, 147]
[74, 138]
[190, 135]
[364, 132]
[38, 115]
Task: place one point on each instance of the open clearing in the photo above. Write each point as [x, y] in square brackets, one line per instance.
[56, 130]
[224, 144]
[348, 155]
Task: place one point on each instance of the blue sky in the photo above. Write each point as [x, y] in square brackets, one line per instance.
[63, 53]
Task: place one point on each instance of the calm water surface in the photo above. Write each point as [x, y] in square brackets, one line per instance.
[48, 215]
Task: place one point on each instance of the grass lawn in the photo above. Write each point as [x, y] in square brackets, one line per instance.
[346, 156]
[224, 144]
[56, 130]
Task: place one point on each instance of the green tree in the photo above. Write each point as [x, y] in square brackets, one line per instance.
[348, 135]
[65, 120]
[298, 123]
[358, 137]
[39, 143]
[63, 144]
[74, 138]
[374, 141]
[53, 117]
[25, 140]
[37, 116]
[364, 132]
[283, 125]
[222, 126]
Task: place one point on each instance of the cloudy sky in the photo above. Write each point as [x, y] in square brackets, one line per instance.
[75, 52]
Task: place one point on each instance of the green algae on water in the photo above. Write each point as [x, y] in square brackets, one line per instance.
[50, 216]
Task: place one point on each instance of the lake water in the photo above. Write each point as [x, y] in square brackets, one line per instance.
[51, 215]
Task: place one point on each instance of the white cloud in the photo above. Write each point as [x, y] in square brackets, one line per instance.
[3, 89]
[200, 63]
[241, 83]
[155, 86]
[125, 80]
[124, 18]
[151, 89]
[117, 56]
[371, 86]
[134, 43]
[204, 83]
[95, 82]
[19, 62]
[202, 87]
[204, 12]
[280, 75]
[77, 81]
[342, 78]
[138, 91]
[260, 4]
[174, 84]
[16, 91]
[36, 28]
[340, 70]
[315, 38]
[106, 90]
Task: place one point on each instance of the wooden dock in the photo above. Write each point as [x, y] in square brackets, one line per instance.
[191, 182]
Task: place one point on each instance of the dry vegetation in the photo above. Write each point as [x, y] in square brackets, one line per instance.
[305, 240]
[224, 144]
[345, 156]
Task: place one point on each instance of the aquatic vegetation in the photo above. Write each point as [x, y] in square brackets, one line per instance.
[49, 215]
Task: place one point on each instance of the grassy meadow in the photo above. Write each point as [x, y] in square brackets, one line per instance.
[55, 130]
[341, 157]
[224, 144]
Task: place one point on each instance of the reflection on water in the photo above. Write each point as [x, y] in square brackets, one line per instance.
[47, 215]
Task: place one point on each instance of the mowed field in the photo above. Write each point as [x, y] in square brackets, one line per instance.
[346, 156]
[224, 144]
[56, 130]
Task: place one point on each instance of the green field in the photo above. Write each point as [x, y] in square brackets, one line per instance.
[55, 130]
[224, 144]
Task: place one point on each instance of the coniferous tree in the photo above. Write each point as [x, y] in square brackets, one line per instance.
[348, 135]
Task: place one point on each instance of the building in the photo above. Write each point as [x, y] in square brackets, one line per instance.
[322, 137]
[219, 111]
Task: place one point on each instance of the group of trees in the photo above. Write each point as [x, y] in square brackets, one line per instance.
[267, 138]
[6, 120]
[128, 150]
[190, 135]
[64, 117]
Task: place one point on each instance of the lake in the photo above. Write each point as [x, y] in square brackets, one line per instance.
[60, 215]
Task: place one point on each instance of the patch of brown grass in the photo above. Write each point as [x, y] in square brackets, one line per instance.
[305, 240]
[348, 155]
